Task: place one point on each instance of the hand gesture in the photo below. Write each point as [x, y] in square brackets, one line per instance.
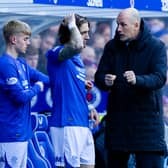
[41, 85]
[109, 79]
[94, 116]
[88, 84]
[69, 19]
[130, 77]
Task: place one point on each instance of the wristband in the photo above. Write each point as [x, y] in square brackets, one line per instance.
[71, 25]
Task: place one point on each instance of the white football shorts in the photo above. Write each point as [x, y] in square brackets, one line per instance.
[75, 144]
[13, 154]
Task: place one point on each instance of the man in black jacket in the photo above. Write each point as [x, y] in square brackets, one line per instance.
[133, 70]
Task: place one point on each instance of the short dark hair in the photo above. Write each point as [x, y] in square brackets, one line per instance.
[64, 32]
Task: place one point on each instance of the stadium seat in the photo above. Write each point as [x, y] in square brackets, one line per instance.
[42, 141]
[36, 160]
[29, 163]
[34, 121]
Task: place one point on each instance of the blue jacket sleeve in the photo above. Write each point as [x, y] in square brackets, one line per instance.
[36, 75]
[17, 90]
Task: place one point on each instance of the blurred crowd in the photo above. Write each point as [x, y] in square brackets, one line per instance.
[159, 29]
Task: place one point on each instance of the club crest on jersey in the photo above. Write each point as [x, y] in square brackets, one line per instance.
[11, 81]
[93, 96]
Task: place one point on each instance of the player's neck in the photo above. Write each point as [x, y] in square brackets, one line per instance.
[11, 51]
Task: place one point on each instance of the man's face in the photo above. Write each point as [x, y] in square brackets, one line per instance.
[126, 28]
[21, 42]
[84, 30]
[32, 60]
[47, 43]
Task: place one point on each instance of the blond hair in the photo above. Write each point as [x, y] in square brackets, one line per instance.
[15, 26]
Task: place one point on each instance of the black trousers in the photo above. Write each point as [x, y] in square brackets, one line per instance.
[142, 159]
